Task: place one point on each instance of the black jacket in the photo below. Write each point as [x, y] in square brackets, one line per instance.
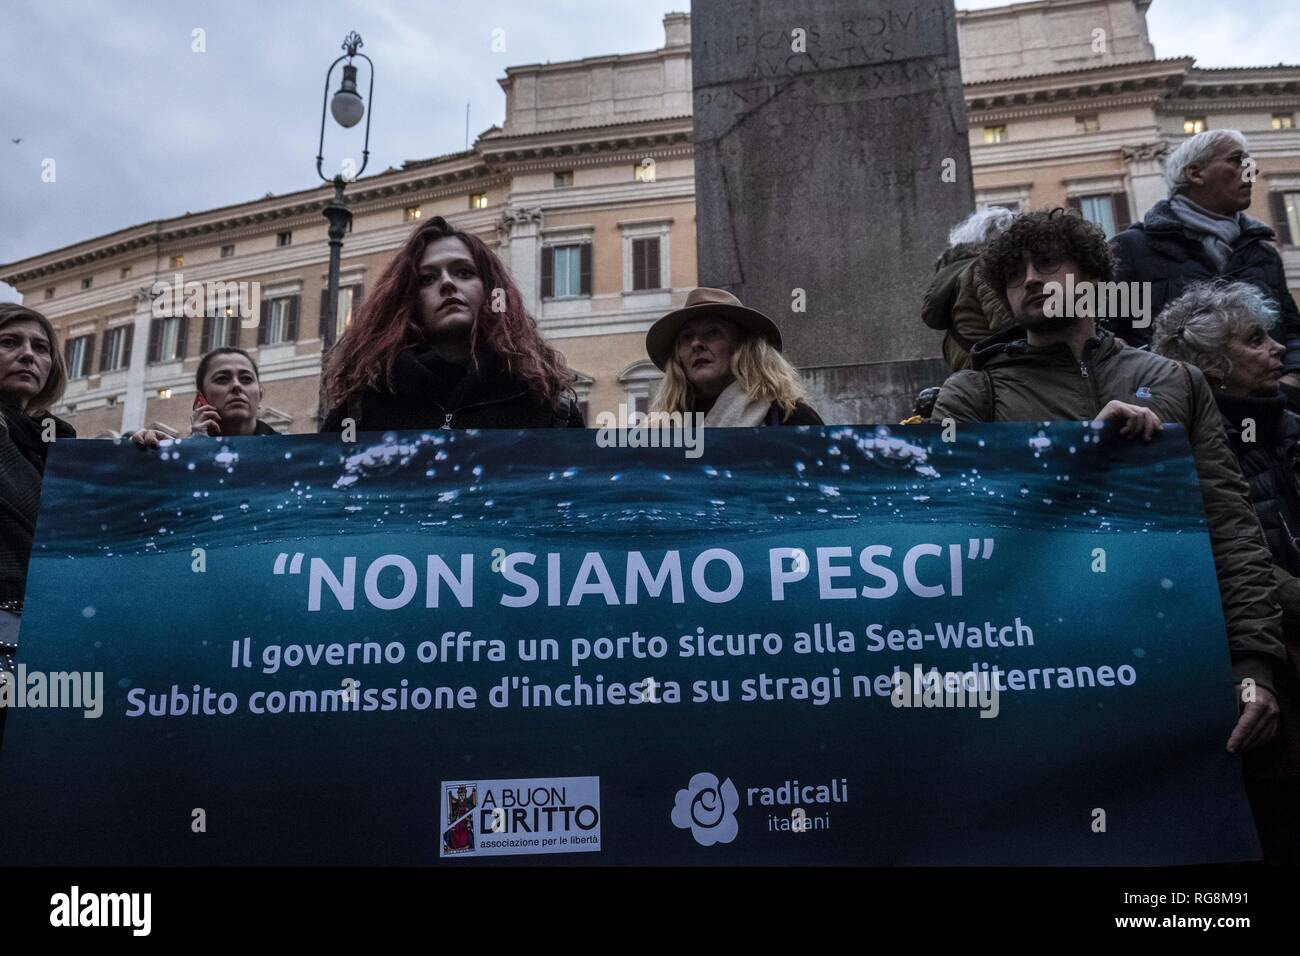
[803, 414]
[1163, 251]
[431, 393]
[22, 464]
[1268, 462]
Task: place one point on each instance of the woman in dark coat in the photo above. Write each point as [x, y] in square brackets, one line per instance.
[444, 341]
[1223, 329]
[32, 378]
[228, 399]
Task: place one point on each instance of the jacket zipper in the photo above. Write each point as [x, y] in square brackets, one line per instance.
[1092, 387]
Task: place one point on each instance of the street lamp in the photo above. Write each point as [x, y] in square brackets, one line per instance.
[347, 108]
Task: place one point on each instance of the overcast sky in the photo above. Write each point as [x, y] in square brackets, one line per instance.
[141, 127]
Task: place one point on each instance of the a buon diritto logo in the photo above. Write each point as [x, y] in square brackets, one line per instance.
[707, 809]
[458, 837]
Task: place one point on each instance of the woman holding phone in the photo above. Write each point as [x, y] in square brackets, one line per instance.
[229, 396]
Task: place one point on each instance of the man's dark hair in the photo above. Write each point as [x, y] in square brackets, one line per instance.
[1057, 231]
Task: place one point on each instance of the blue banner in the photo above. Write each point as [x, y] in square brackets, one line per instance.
[804, 646]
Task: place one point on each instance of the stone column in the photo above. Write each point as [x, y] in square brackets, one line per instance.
[1145, 165]
[133, 404]
[520, 231]
[831, 160]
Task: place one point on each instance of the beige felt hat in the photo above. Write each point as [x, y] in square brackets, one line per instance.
[662, 337]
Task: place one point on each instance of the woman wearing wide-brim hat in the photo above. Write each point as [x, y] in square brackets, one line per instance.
[724, 360]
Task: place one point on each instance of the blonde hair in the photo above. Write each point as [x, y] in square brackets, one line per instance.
[54, 384]
[760, 368]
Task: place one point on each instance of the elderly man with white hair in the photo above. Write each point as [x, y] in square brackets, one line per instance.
[1202, 233]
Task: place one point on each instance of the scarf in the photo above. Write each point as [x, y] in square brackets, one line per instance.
[1218, 233]
[734, 409]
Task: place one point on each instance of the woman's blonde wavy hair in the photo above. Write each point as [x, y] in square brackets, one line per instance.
[760, 368]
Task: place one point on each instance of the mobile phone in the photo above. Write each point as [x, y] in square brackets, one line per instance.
[201, 399]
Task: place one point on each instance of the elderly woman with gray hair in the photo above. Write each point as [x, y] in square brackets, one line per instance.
[957, 303]
[1202, 233]
[1223, 329]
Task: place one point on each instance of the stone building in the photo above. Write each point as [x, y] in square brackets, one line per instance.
[587, 191]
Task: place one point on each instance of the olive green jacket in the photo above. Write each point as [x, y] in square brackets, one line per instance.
[1012, 381]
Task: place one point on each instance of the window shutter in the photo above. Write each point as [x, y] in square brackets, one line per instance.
[182, 333]
[585, 268]
[1123, 217]
[155, 340]
[67, 357]
[548, 272]
[653, 280]
[1281, 226]
[324, 305]
[126, 349]
[358, 294]
[292, 335]
[206, 345]
[108, 347]
[90, 352]
[264, 322]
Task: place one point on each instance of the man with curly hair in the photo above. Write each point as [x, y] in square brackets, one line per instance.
[1054, 363]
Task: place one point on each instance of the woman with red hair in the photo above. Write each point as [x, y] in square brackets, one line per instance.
[444, 341]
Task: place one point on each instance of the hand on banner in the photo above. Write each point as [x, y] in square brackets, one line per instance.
[150, 438]
[206, 420]
[1258, 722]
[1138, 421]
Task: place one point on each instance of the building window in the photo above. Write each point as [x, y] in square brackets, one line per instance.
[76, 353]
[284, 238]
[117, 349]
[995, 134]
[640, 382]
[644, 171]
[164, 393]
[478, 201]
[411, 214]
[278, 328]
[568, 270]
[645, 264]
[1193, 125]
[1090, 123]
[1109, 210]
[125, 273]
[1286, 217]
[87, 282]
[220, 329]
[49, 293]
[169, 340]
[227, 251]
[563, 178]
[178, 262]
[343, 317]
[1284, 121]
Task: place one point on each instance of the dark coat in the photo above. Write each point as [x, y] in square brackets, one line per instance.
[1268, 463]
[431, 393]
[803, 414]
[965, 308]
[1163, 251]
[1012, 381]
[22, 464]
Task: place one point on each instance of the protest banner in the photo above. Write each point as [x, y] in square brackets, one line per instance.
[806, 646]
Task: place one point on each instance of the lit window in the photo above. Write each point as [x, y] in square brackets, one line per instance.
[227, 251]
[563, 178]
[178, 262]
[478, 201]
[995, 134]
[1090, 123]
[644, 171]
[411, 213]
[87, 282]
[1284, 121]
[283, 238]
[568, 270]
[1193, 125]
[343, 317]
[164, 393]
